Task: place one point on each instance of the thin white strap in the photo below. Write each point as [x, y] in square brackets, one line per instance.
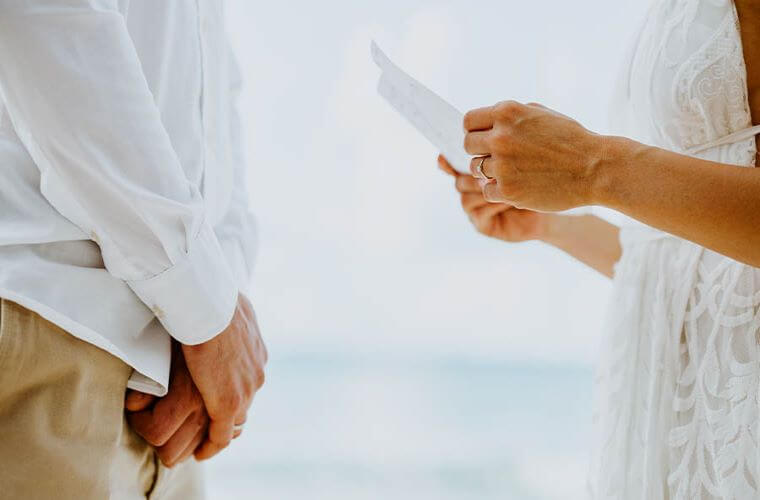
[728, 139]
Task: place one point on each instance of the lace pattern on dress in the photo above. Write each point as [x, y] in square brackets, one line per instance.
[678, 385]
[710, 89]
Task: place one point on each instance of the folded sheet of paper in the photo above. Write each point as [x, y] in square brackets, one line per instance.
[436, 119]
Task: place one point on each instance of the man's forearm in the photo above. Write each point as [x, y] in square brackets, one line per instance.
[74, 89]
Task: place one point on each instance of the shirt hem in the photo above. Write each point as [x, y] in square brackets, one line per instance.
[148, 384]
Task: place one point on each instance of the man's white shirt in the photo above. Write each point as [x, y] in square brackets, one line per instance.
[123, 206]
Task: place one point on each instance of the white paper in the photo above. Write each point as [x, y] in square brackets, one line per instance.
[436, 119]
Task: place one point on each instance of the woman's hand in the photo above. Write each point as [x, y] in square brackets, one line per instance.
[495, 220]
[589, 239]
[536, 158]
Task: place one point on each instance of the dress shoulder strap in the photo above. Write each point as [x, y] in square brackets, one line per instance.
[728, 139]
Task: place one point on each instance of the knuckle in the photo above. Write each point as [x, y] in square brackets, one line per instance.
[497, 169]
[167, 410]
[198, 420]
[500, 141]
[509, 189]
[264, 352]
[197, 402]
[467, 142]
[494, 139]
[468, 120]
[220, 444]
[508, 110]
[248, 390]
[259, 377]
[157, 435]
[494, 193]
[165, 457]
[232, 403]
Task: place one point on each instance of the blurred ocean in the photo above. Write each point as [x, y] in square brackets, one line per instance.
[370, 427]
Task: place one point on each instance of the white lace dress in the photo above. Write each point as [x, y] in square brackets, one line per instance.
[677, 385]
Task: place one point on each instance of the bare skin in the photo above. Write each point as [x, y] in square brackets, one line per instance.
[177, 423]
[228, 371]
[542, 161]
[589, 239]
[211, 388]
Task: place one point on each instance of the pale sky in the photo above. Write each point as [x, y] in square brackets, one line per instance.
[365, 250]
[363, 245]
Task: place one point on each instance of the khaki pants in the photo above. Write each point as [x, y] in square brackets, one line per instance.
[63, 434]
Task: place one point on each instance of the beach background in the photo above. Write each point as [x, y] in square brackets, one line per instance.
[410, 357]
[378, 428]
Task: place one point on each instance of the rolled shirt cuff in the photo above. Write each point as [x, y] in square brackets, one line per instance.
[194, 299]
[238, 262]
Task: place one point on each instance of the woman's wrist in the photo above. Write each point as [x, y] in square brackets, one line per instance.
[553, 227]
[609, 169]
[588, 238]
[558, 229]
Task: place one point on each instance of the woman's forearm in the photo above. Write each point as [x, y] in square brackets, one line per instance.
[712, 204]
[537, 159]
[588, 238]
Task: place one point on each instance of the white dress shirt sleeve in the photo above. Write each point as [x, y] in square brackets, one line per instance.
[237, 229]
[76, 95]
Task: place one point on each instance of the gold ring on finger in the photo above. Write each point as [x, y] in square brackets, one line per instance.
[479, 169]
